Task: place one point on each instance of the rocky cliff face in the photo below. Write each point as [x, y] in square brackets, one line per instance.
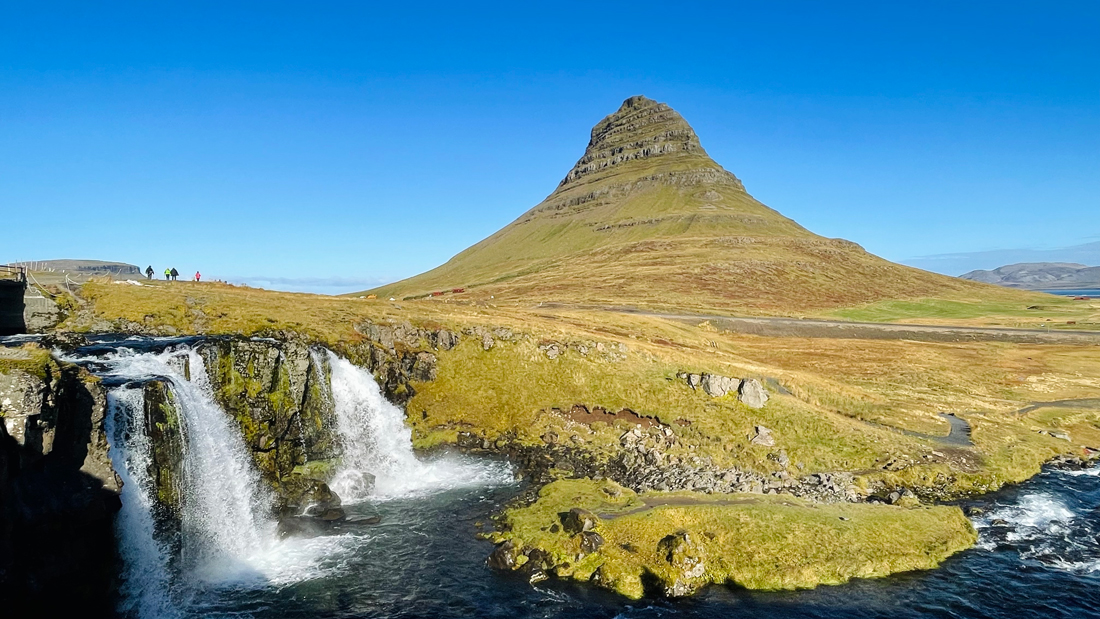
[58, 492]
[641, 128]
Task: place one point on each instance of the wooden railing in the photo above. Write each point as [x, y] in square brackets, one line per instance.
[16, 273]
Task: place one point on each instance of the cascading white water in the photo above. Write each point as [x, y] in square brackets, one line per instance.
[226, 537]
[145, 589]
[377, 441]
[225, 520]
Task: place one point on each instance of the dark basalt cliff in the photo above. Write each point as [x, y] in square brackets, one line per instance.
[58, 493]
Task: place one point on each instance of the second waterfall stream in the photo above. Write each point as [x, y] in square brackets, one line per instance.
[227, 534]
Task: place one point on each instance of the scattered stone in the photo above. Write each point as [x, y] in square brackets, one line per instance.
[591, 541]
[579, 520]
[444, 339]
[717, 386]
[551, 349]
[752, 394]
[763, 437]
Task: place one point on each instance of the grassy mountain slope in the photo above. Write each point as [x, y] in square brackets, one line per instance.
[647, 218]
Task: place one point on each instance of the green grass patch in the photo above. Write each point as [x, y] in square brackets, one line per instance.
[754, 541]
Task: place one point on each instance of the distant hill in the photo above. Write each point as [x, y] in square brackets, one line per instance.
[953, 264]
[1039, 275]
[647, 218]
[57, 272]
[87, 267]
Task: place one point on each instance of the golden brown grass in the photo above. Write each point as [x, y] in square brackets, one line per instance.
[850, 397]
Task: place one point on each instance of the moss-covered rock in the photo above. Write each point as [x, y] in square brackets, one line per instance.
[277, 393]
[162, 423]
[674, 543]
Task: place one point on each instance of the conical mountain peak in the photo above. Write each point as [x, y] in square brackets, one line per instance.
[647, 218]
[641, 128]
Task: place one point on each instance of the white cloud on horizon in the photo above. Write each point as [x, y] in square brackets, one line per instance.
[315, 285]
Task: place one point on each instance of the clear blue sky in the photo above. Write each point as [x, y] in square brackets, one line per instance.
[370, 142]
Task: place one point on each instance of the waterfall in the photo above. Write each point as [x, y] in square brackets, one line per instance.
[144, 590]
[227, 536]
[376, 442]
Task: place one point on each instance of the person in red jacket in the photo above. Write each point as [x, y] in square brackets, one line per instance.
[198, 276]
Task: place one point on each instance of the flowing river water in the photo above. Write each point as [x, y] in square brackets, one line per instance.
[1038, 553]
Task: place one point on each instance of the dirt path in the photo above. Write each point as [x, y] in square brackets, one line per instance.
[795, 327]
[1079, 403]
[680, 501]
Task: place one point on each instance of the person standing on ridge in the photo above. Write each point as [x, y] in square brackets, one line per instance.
[149, 272]
[167, 274]
[198, 276]
[175, 274]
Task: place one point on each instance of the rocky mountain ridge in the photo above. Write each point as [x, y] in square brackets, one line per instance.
[1039, 275]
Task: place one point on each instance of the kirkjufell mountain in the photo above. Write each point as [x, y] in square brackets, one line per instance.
[647, 218]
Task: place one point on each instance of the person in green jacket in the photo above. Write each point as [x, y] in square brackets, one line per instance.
[167, 274]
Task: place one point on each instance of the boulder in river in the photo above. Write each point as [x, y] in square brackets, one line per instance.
[504, 557]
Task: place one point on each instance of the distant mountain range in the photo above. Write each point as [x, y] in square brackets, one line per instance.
[953, 264]
[1039, 275]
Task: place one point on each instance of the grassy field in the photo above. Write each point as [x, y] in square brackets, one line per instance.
[1034, 311]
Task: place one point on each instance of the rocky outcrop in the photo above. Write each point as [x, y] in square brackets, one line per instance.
[162, 423]
[278, 394]
[58, 493]
[641, 128]
[686, 560]
[750, 391]
[752, 394]
[277, 390]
